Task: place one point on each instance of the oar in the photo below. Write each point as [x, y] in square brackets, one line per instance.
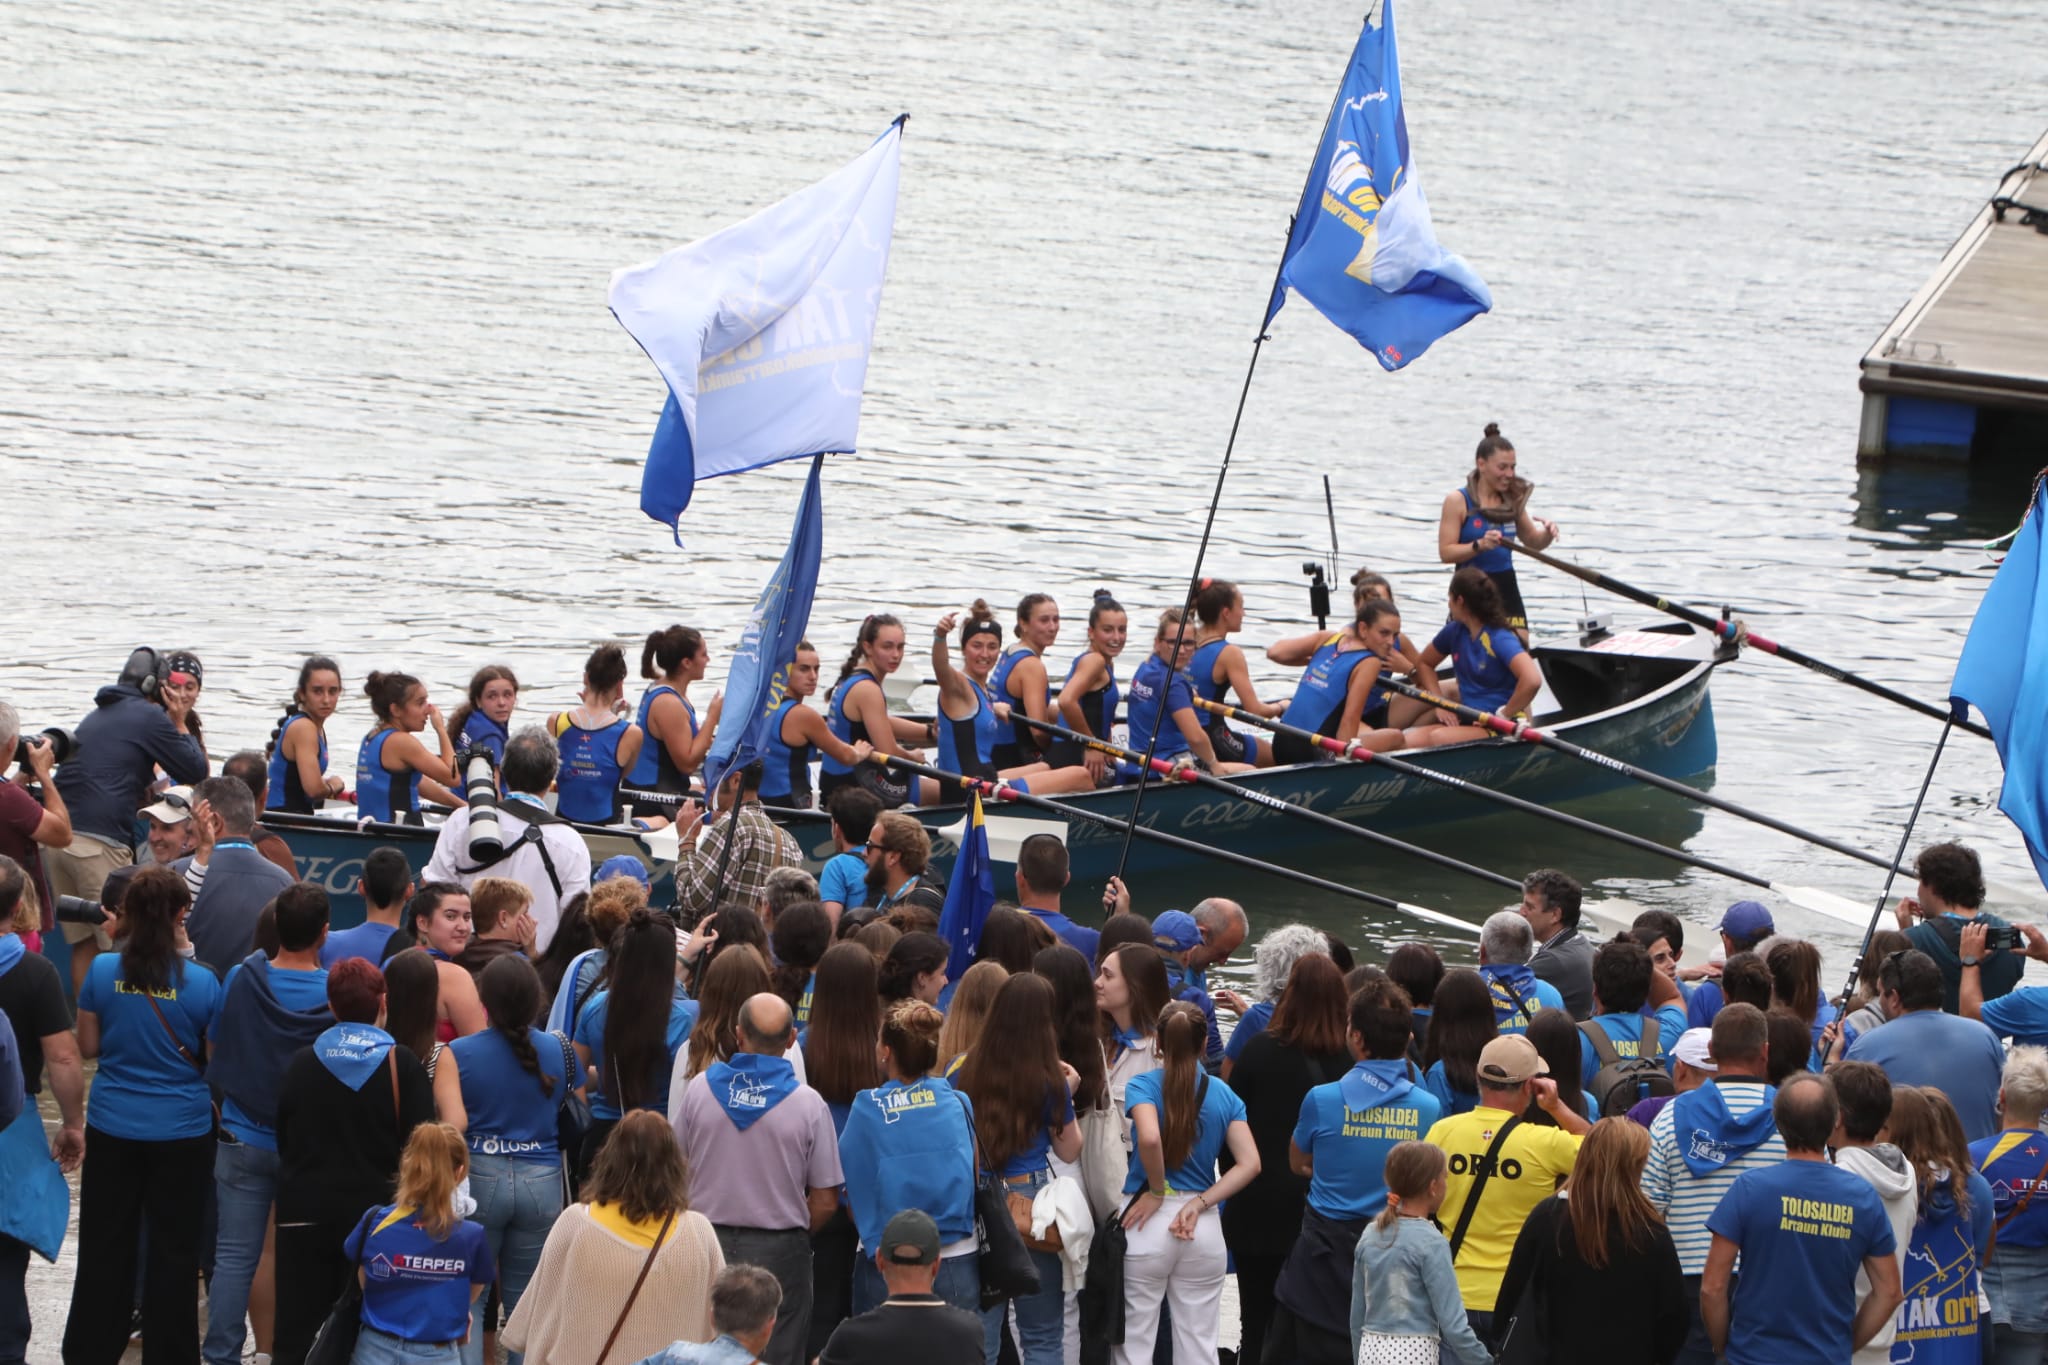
[1810, 897]
[1271, 802]
[1742, 634]
[1529, 734]
[1003, 792]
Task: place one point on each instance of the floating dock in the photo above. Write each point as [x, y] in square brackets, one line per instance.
[1962, 371]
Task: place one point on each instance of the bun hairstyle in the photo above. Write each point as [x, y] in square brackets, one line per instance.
[606, 668]
[1030, 603]
[666, 650]
[1213, 597]
[1104, 601]
[870, 631]
[1168, 619]
[910, 1030]
[1492, 443]
[981, 620]
[1363, 584]
[387, 692]
[315, 663]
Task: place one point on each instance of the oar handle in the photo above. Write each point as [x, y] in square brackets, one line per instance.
[1164, 767]
[1335, 746]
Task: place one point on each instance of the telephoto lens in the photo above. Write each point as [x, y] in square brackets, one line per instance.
[480, 790]
[80, 910]
[62, 745]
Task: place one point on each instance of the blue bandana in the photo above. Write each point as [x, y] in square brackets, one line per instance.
[12, 950]
[1510, 986]
[1369, 1085]
[1709, 1137]
[749, 1085]
[1129, 1039]
[352, 1052]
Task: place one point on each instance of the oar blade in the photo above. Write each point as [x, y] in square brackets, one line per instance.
[1826, 903]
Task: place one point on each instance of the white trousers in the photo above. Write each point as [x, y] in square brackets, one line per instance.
[1187, 1276]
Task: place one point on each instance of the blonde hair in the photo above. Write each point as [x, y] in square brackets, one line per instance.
[1606, 1191]
[493, 900]
[28, 911]
[435, 1160]
[1411, 1168]
[612, 902]
[902, 835]
[969, 1011]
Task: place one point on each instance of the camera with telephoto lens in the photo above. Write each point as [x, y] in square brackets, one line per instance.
[1318, 594]
[62, 745]
[480, 790]
[81, 910]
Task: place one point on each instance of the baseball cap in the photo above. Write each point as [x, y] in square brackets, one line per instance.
[173, 807]
[911, 1238]
[1511, 1059]
[1694, 1049]
[1746, 921]
[1176, 932]
[621, 865]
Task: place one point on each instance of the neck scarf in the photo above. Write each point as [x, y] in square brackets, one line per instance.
[1709, 1137]
[352, 1051]
[1370, 1084]
[12, 950]
[749, 1085]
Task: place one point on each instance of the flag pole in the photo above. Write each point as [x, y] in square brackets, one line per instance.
[1187, 609]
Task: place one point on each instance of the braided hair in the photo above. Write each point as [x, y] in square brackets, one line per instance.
[510, 990]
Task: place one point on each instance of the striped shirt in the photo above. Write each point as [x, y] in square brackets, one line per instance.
[1687, 1200]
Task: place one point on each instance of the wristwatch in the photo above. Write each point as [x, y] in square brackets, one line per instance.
[1970, 961]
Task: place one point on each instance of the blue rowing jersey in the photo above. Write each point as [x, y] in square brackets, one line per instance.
[1474, 527]
[968, 746]
[588, 787]
[654, 770]
[382, 795]
[1027, 742]
[479, 728]
[1203, 669]
[786, 767]
[1153, 683]
[1318, 702]
[284, 792]
[1485, 678]
[845, 727]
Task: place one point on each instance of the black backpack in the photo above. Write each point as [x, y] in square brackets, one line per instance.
[1621, 1083]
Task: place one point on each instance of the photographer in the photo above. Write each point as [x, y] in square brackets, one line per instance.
[541, 850]
[25, 823]
[1949, 900]
[140, 722]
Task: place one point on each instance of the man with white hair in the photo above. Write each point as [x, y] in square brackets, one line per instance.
[2014, 1161]
[26, 825]
[1506, 943]
[1273, 962]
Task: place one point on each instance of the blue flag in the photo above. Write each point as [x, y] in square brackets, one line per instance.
[759, 677]
[969, 896]
[1363, 250]
[761, 330]
[2004, 674]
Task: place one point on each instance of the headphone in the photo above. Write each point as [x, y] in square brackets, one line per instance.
[146, 671]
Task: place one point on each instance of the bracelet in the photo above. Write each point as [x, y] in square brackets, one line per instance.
[1157, 1194]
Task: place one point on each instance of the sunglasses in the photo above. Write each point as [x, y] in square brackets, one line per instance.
[176, 801]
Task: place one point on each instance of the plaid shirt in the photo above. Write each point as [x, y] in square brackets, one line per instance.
[762, 847]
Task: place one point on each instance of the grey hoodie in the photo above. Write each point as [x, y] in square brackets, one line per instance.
[1891, 1175]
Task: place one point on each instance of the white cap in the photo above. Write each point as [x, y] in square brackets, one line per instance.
[1694, 1049]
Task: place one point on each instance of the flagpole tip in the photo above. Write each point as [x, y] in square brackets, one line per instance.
[901, 119]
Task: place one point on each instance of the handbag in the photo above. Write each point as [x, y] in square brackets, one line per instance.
[1105, 1156]
[1020, 1206]
[335, 1342]
[572, 1120]
[1007, 1271]
[638, 1280]
[1102, 1288]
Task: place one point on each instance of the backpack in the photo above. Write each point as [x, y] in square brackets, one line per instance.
[1623, 1082]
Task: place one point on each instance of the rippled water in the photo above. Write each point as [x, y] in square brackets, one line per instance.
[304, 344]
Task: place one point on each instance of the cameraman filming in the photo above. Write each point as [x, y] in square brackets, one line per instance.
[25, 823]
[541, 850]
[140, 722]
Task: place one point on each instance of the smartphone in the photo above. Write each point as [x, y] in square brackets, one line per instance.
[2004, 936]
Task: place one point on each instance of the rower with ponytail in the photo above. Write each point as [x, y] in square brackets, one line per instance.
[297, 754]
[673, 742]
[858, 712]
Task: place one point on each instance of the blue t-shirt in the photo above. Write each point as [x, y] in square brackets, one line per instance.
[365, 940]
[1938, 1323]
[2012, 1161]
[1486, 679]
[1703, 1004]
[296, 989]
[1804, 1229]
[1148, 683]
[1959, 1057]
[1451, 1100]
[1256, 1017]
[845, 878]
[145, 1090]
[1219, 1109]
[1080, 938]
[416, 1287]
[1032, 1158]
[509, 1113]
[2021, 1016]
[1625, 1031]
[682, 1014]
[1350, 1147]
[1519, 993]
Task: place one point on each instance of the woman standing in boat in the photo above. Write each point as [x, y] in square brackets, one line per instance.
[1087, 701]
[486, 716]
[1339, 683]
[971, 726]
[1494, 672]
[1492, 508]
[299, 779]
[1219, 667]
[859, 712]
[797, 735]
[1162, 681]
[1020, 679]
[674, 743]
[393, 769]
[599, 745]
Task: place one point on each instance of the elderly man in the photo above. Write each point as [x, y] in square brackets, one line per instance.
[541, 850]
[707, 875]
[236, 881]
[764, 1162]
[913, 1323]
[744, 1300]
[1506, 943]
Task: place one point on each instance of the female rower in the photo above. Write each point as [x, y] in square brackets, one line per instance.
[859, 711]
[1219, 666]
[1494, 672]
[1339, 684]
[1162, 680]
[298, 753]
[797, 735]
[485, 716]
[1491, 509]
[1398, 712]
[1020, 679]
[599, 744]
[1087, 701]
[675, 742]
[394, 770]
[971, 725]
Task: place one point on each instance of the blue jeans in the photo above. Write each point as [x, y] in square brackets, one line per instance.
[959, 1284]
[245, 1183]
[381, 1348]
[1041, 1318]
[517, 1202]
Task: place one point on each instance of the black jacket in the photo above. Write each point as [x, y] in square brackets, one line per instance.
[1630, 1312]
[120, 746]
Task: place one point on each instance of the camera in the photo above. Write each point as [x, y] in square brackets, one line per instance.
[62, 745]
[1318, 594]
[480, 790]
[2006, 936]
[81, 910]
